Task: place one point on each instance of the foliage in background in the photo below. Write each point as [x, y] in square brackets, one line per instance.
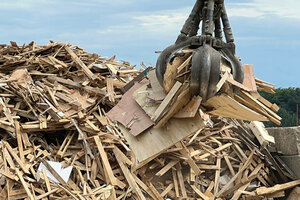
[286, 99]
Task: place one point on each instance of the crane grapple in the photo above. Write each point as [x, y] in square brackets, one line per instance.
[203, 33]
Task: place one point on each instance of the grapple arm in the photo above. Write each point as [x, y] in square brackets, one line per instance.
[209, 48]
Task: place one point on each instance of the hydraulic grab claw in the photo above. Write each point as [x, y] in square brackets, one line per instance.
[209, 47]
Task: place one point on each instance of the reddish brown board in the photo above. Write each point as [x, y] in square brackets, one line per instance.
[129, 113]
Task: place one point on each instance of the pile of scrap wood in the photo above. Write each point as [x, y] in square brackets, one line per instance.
[78, 126]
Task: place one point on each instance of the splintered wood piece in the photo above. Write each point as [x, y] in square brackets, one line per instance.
[166, 168]
[181, 181]
[143, 186]
[24, 184]
[130, 179]
[123, 157]
[219, 149]
[175, 181]
[229, 165]
[46, 194]
[249, 78]
[190, 109]
[198, 192]
[151, 187]
[235, 83]
[46, 180]
[245, 165]
[261, 133]
[228, 107]
[256, 102]
[222, 81]
[274, 107]
[105, 161]
[110, 89]
[19, 140]
[167, 190]
[86, 70]
[112, 68]
[238, 191]
[277, 188]
[172, 71]
[217, 175]
[162, 107]
[16, 157]
[182, 99]
[190, 161]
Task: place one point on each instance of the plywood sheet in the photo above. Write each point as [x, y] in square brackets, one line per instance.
[155, 140]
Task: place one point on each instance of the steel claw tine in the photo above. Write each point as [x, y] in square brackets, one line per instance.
[205, 72]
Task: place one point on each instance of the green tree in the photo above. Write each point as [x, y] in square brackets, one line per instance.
[286, 99]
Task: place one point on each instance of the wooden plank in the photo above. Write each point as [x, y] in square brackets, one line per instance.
[53, 172]
[143, 186]
[249, 96]
[274, 107]
[19, 141]
[110, 89]
[121, 155]
[261, 191]
[24, 184]
[217, 176]
[150, 185]
[184, 151]
[227, 107]
[86, 70]
[179, 103]
[167, 190]
[166, 168]
[180, 180]
[222, 81]
[105, 161]
[46, 194]
[16, 157]
[190, 109]
[199, 193]
[112, 68]
[162, 107]
[205, 155]
[235, 83]
[261, 133]
[175, 182]
[249, 78]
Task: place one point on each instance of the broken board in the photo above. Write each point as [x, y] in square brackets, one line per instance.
[226, 106]
[155, 140]
[129, 113]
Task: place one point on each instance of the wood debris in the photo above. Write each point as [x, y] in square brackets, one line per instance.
[61, 104]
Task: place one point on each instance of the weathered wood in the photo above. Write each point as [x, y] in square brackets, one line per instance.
[279, 187]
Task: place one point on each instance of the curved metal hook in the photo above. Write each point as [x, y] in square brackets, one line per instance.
[205, 72]
[166, 55]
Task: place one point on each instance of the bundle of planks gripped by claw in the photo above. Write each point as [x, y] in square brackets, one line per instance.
[78, 126]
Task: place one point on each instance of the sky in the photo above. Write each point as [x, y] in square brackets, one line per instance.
[266, 31]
